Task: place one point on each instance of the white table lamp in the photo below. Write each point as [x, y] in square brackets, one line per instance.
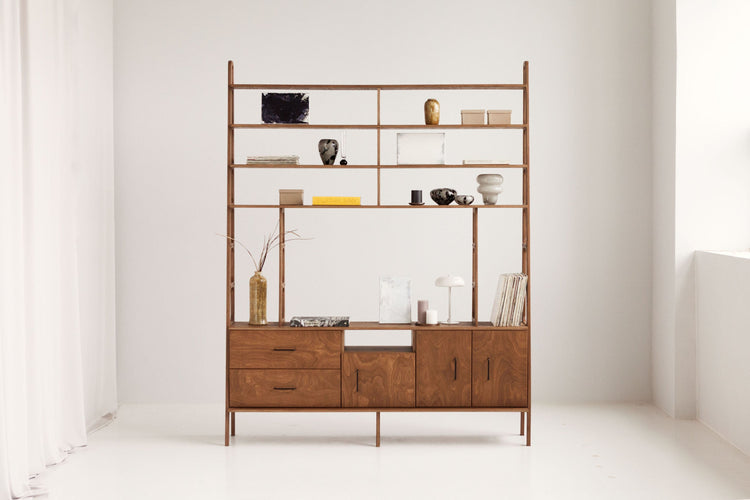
[449, 282]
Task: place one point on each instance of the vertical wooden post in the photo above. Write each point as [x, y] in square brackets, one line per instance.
[522, 422]
[526, 236]
[230, 243]
[282, 267]
[475, 267]
[378, 172]
[232, 417]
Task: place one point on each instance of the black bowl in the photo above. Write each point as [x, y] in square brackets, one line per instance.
[443, 196]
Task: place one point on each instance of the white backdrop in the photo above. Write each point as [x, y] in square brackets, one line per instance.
[590, 178]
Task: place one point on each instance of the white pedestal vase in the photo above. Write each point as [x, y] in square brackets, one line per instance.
[490, 186]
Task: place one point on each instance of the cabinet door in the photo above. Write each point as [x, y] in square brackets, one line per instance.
[377, 379]
[443, 368]
[500, 368]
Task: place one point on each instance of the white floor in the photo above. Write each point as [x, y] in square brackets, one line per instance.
[578, 452]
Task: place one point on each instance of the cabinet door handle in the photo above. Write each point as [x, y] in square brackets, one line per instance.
[284, 388]
[488, 368]
[356, 373]
[455, 368]
[285, 349]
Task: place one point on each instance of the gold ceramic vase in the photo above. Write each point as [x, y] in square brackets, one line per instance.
[258, 299]
[431, 112]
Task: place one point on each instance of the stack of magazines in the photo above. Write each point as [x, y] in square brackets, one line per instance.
[510, 298]
[281, 160]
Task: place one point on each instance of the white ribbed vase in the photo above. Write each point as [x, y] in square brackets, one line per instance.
[490, 186]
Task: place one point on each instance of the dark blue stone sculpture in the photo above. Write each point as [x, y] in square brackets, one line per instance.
[285, 107]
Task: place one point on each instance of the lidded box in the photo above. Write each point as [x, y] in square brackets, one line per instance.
[472, 117]
[498, 117]
[291, 196]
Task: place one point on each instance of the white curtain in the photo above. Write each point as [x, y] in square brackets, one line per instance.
[57, 363]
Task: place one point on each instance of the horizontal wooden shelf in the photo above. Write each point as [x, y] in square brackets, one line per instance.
[378, 206]
[371, 127]
[374, 325]
[398, 86]
[343, 167]
[382, 410]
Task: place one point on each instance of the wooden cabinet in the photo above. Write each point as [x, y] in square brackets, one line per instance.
[499, 368]
[377, 379]
[443, 368]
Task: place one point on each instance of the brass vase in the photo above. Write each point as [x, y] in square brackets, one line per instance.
[258, 299]
[431, 112]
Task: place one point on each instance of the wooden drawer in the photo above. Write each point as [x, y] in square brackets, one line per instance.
[285, 388]
[285, 349]
[378, 379]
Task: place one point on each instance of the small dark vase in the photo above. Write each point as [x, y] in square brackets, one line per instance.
[328, 149]
[443, 196]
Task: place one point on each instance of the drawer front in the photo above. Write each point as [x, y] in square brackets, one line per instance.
[285, 349]
[284, 388]
[378, 380]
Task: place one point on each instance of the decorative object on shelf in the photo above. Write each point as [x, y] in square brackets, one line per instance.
[422, 306]
[320, 321]
[258, 299]
[395, 300]
[431, 112]
[328, 148]
[490, 186]
[336, 200]
[416, 197]
[498, 117]
[443, 196]
[472, 117]
[257, 280]
[449, 282]
[276, 160]
[464, 199]
[420, 148]
[343, 151]
[430, 317]
[291, 196]
[510, 299]
[285, 107]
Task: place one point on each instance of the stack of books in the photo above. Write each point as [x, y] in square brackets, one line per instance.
[510, 299]
[281, 160]
[336, 200]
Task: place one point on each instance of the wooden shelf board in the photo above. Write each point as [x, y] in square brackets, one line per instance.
[344, 167]
[411, 408]
[398, 86]
[519, 126]
[374, 325]
[378, 206]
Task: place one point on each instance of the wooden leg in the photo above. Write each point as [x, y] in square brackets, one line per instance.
[522, 422]
[226, 428]
[233, 414]
[528, 429]
[377, 429]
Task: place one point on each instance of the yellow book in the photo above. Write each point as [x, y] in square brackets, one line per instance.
[336, 200]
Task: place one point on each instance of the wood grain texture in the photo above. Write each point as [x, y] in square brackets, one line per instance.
[285, 388]
[443, 368]
[294, 348]
[377, 379]
[499, 368]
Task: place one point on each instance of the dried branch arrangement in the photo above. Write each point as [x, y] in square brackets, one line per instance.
[270, 242]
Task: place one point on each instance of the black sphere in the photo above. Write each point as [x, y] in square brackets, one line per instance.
[343, 162]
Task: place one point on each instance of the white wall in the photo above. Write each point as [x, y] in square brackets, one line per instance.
[711, 179]
[723, 346]
[590, 177]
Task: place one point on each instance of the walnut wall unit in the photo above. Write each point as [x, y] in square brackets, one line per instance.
[470, 366]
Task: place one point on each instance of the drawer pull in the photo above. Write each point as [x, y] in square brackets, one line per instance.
[284, 349]
[488, 368]
[356, 389]
[284, 388]
[455, 368]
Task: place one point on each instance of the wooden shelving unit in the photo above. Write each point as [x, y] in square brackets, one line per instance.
[471, 366]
